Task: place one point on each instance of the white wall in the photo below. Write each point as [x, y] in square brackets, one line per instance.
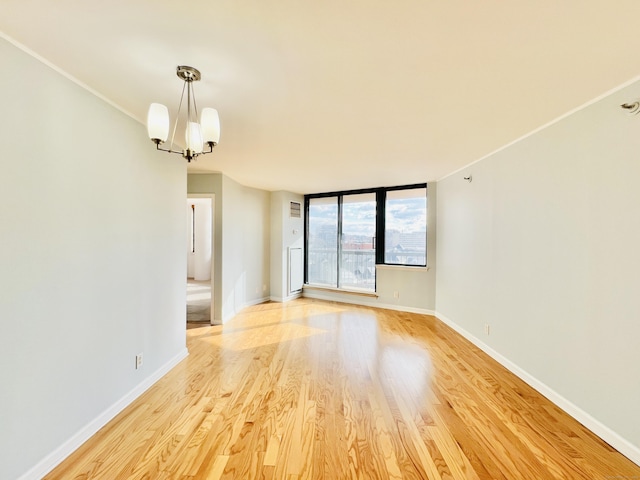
[92, 253]
[286, 233]
[416, 286]
[199, 260]
[543, 246]
[190, 254]
[245, 246]
[241, 243]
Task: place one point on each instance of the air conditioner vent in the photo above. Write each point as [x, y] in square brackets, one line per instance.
[295, 210]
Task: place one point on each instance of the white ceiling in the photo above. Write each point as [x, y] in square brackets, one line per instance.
[321, 96]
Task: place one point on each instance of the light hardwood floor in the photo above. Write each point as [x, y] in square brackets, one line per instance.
[312, 390]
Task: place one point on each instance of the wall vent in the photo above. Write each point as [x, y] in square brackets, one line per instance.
[294, 210]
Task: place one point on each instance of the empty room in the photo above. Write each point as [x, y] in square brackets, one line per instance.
[335, 240]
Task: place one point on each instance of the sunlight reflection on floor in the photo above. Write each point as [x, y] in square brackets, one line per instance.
[262, 336]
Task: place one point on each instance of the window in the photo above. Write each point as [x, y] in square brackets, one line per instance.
[322, 241]
[405, 233]
[348, 233]
[357, 265]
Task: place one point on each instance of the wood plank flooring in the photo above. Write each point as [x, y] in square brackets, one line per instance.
[320, 390]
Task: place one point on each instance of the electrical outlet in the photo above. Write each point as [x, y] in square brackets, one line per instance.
[264, 288]
[138, 361]
[396, 294]
[486, 329]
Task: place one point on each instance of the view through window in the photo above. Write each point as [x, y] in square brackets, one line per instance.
[357, 242]
[322, 241]
[405, 236]
[349, 232]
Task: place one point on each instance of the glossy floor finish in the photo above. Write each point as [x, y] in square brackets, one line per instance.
[312, 390]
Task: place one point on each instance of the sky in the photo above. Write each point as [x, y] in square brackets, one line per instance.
[405, 215]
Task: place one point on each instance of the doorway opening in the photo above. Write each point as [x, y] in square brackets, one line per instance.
[199, 259]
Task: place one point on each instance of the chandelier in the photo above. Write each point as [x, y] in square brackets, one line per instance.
[207, 132]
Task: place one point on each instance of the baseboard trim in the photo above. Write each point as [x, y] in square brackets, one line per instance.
[286, 299]
[67, 448]
[235, 312]
[362, 301]
[402, 308]
[257, 301]
[624, 446]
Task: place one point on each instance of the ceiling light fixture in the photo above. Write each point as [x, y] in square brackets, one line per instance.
[196, 134]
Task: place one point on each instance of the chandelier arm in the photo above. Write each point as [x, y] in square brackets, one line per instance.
[211, 145]
[175, 124]
[168, 150]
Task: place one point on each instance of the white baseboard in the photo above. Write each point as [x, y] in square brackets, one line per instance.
[364, 301]
[67, 448]
[287, 298]
[229, 315]
[624, 446]
[403, 308]
[257, 301]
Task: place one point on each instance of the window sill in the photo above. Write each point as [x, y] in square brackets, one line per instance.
[361, 293]
[414, 268]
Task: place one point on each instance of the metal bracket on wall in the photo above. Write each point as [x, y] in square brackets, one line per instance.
[631, 108]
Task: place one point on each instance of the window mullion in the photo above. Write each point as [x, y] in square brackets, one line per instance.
[306, 239]
[380, 201]
[339, 240]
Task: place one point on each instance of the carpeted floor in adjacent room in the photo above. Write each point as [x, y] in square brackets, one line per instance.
[198, 301]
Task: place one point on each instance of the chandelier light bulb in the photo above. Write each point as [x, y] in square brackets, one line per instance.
[158, 123]
[210, 123]
[193, 137]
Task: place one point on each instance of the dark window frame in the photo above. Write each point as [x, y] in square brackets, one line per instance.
[381, 201]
